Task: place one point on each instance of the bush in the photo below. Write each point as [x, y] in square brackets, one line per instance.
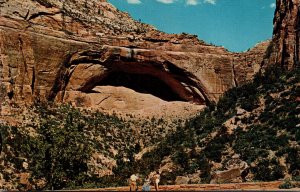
[181, 158]
[296, 178]
[286, 185]
[262, 171]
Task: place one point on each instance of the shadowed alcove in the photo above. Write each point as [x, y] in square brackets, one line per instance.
[142, 83]
[88, 71]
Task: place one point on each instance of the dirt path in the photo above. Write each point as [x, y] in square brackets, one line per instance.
[254, 186]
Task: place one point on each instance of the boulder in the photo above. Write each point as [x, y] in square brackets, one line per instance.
[240, 111]
[236, 171]
[182, 180]
[226, 176]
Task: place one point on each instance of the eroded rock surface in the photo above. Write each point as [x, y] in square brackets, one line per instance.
[247, 64]
[65, 51]
[284, 47]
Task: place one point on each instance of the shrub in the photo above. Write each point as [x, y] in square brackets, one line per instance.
[286, 185]
[296, 178]
[262, 171]
[181, 158]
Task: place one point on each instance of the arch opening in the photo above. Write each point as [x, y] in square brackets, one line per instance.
[142, 83]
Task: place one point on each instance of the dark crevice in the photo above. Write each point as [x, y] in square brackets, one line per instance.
[53, 19]
[33, 80]
[18, 14]
[10, 94]
[35, 15]
[59, 83]
[284, 53]
[27, 14]
[281, 18]
[296, 51]
[105, 98]
[88, 57]
[186, 77]
[297, 38]
[234, 75]
[2, 4]
[67, 62]
[174, 69]
[93, 91]
[23, 56]
[44, 3]
[85, 60]
[142, 83]
[155, 40]
[24, 62]
[61, 79]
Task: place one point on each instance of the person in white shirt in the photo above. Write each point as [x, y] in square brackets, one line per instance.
[133, 182]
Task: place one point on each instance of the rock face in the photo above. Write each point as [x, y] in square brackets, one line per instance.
[236, 172]
[189, 179]
[84, 52]
[182, 180]
[284, 47]
[248, 63]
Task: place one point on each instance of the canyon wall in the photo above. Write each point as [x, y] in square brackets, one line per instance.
[284, 47]
[82, 52]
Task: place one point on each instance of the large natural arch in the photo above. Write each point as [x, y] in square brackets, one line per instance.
[87, 70]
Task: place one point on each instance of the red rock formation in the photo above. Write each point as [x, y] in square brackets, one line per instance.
[248, 63]
[284, 48]
[65, 51]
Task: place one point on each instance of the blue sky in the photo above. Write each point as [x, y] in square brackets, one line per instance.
[235, 24]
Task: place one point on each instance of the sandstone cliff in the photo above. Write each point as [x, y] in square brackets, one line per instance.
[248, 63]
[70, 51]
[284, 47]
[92, 55]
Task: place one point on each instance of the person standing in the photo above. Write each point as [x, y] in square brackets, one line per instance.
[156, 180]
[146, 185]
[133, 182]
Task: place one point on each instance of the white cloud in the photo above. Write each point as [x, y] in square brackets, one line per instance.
[134, 1]
[213, 2]
[191, 2]
[272, 5]
[166, 1]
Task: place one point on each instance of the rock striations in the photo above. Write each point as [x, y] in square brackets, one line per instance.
[284, 47]
[84, 52]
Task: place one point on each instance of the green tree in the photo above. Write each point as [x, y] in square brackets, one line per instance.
[61, 150]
